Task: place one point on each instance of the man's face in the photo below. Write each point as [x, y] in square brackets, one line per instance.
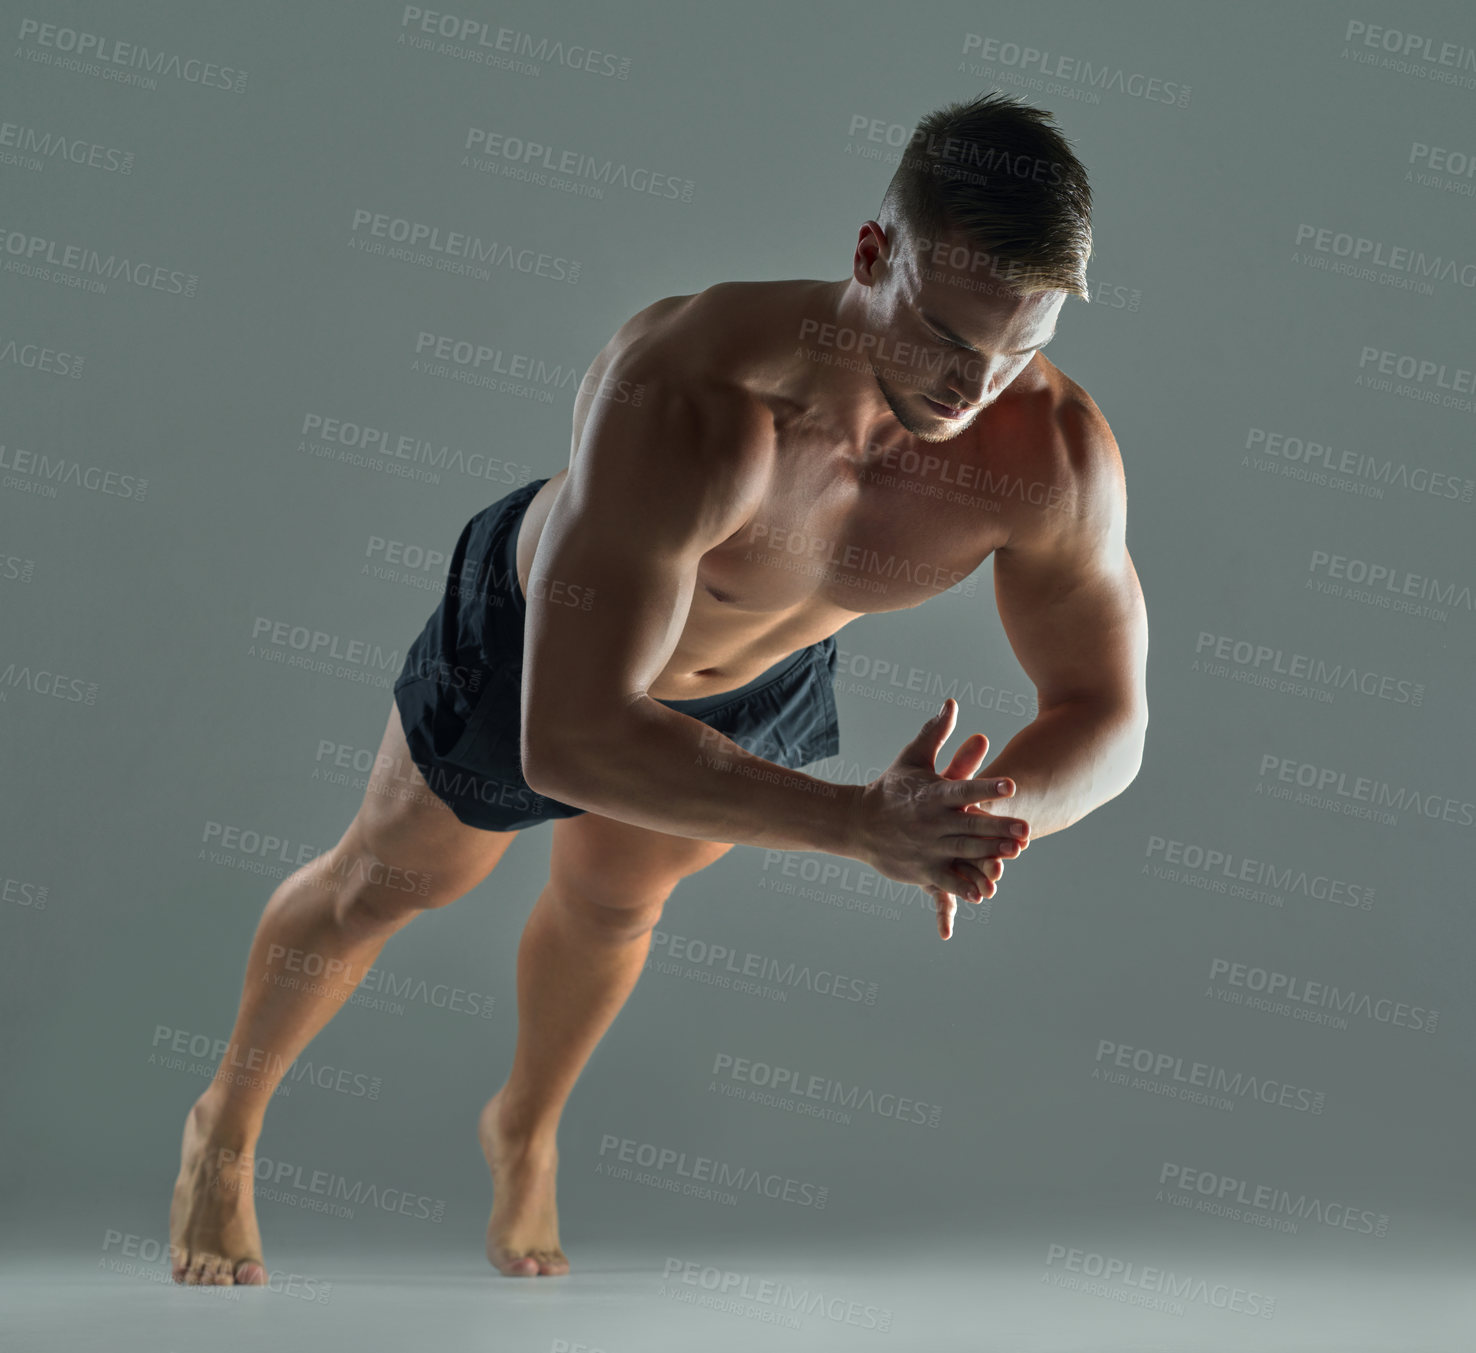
[951, 334]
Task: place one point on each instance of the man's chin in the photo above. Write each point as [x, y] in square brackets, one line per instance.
[938, 434]
[936, 428]
[924, 423]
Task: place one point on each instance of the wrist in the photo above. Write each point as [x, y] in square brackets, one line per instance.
[844, 833]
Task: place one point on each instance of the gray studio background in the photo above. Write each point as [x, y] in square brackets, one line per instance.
[1221, 325]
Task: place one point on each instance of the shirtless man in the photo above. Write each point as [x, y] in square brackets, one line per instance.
[635, 650]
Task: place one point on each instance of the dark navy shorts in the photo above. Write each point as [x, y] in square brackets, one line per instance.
[459, 693]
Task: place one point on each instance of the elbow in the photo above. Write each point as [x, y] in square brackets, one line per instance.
[1136, 739]
[562, 759]
[548, 776]
[545, 763]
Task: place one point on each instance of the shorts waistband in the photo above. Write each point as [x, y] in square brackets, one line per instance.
[707, 703]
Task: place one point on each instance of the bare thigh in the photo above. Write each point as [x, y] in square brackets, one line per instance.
[402, 824]
[608, 864]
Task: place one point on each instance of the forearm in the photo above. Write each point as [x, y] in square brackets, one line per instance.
[1066, 762]
[659, 769]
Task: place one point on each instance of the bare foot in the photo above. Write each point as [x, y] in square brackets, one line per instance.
[213, 1238]
[523, 1234]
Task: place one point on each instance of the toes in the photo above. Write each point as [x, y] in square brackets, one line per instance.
[519, 1266]
[552, 1262]
[250, 1273]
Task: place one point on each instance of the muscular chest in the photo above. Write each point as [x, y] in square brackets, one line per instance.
[833, 534]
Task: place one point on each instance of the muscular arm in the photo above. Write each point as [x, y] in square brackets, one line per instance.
[1073, 611]
[651, 489]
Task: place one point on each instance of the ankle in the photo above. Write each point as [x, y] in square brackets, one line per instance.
[523, 1125]
[222, 1128]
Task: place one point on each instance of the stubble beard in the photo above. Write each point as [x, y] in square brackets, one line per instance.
[925, 431]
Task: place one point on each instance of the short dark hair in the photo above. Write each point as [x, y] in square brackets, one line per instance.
[999, 173]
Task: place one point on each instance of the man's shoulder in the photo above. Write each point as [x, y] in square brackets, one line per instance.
[669, 382]
[1077, 427]
[692, 352]
[685, 328]
[1068, 443]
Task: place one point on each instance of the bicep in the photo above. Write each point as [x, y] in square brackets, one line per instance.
[651, 489]
[1072, 607]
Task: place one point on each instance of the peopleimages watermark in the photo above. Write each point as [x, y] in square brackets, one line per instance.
[1223, 871]
[99, 54]
[949, 156]
[1360, 796]
[39, 357]
[1376, 583]
[474, 39]
[1259, 664]
[315, 650]
[1168, 1074]
[1365, 474]
[453, 251]
[319, 1190]
[1080, 78]
[698, 1176]
[743, 970]
[16, 568]
[126, 1252]
[180, 1043]
[351, 442]
[1263, 1205]
[262, 853]
[22, 893]
[1452, 171]
[306, 970]
[778, 1302]
[41, 680]
[569, 171]
[1377, 261]
[858, 889]
[85, 268]
[490, 368]
[885, 679]
[1136, 1284]
[847, 562]
[41, 473]
[1281, 993]
[1421, 379]
[1415, 54]
[30, 148]
[814, 1095]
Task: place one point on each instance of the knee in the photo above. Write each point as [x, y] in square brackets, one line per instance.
[369, 895]
[618, 918]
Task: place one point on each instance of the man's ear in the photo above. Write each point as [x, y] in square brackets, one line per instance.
[873, 250]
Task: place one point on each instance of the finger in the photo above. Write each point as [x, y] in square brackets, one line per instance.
[947, 906]
[986, 847]
[979, 878]
[980, 791]
[969, 757]
[986, 827]
[992, 869]
[940, 903]
[924, 748]
[966, 793]
[978, 883]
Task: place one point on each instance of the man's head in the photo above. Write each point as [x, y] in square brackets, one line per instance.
[984, 231]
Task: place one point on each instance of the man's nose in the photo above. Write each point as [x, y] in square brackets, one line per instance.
[967, 380]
